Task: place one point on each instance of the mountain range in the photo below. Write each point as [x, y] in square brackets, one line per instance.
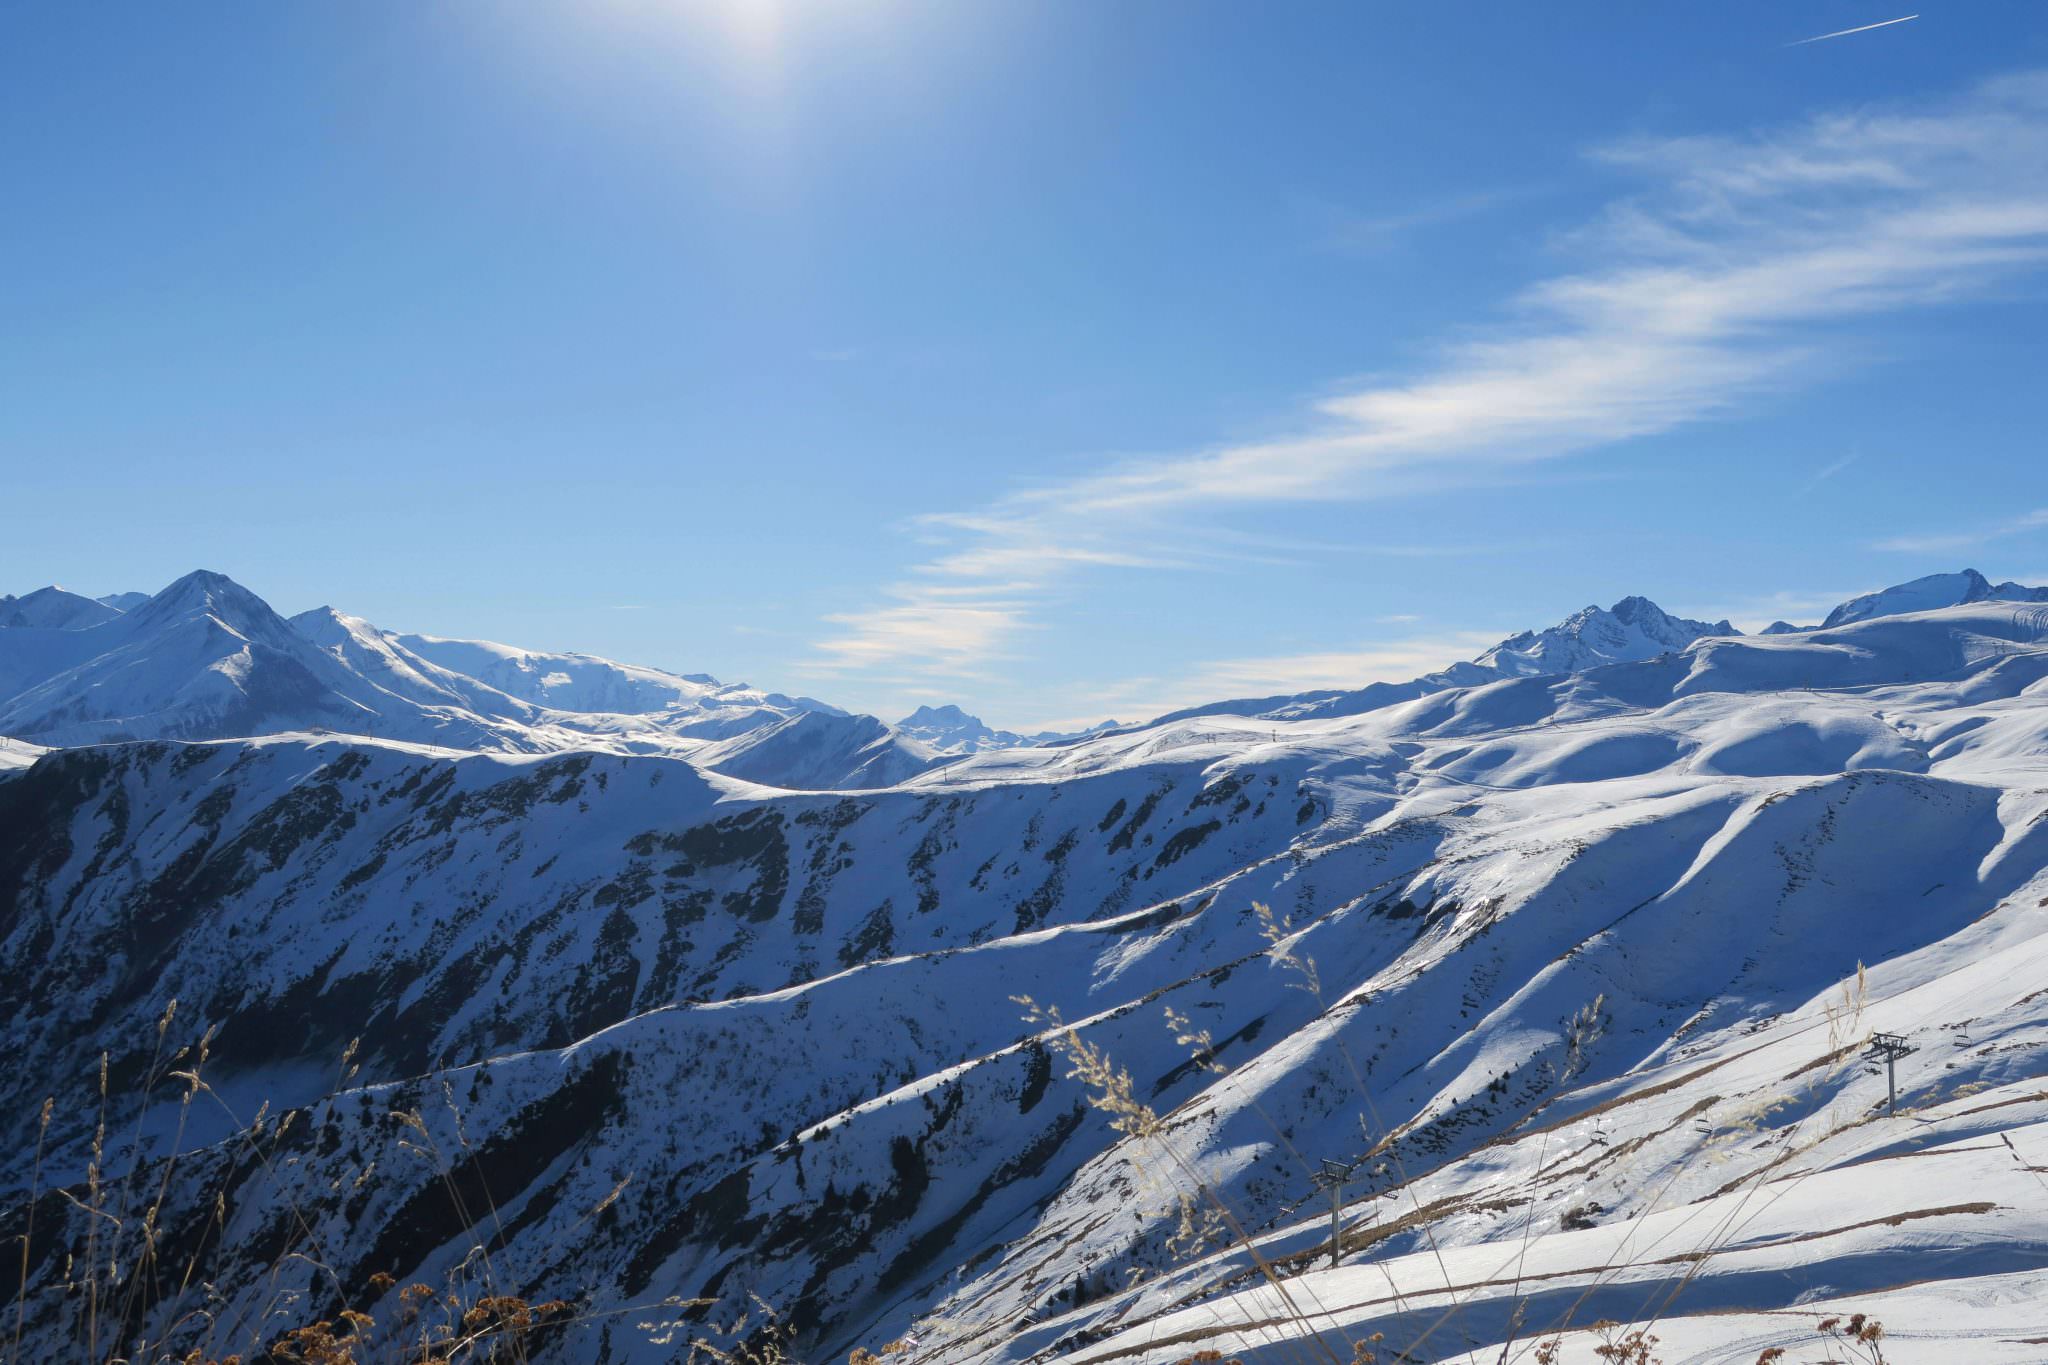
[205, 658]
[1567, 957]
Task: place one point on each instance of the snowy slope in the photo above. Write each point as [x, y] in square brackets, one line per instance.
[1930, 594]
[782, 1020]
[207, 659]
[1634, 628]
[53, 608]
[586, 683]
[821, 751]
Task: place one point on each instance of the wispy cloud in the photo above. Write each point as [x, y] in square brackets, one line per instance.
[1823, 474]
[1340, 228]
[1728, 276]
[954, 629]
[1951, 541]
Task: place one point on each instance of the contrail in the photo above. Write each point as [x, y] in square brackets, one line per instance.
[1843, 33]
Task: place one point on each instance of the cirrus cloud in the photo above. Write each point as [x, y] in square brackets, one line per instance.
[1729, 274]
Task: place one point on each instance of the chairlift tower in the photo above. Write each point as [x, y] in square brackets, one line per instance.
[1891, 1047]
[1333, 1176]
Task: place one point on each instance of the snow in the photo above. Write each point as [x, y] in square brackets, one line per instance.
[1931, 593]
[787, 1015]
[1634, 628]
[15, 754]
[208, 659]
[53, 608]
[950, 731]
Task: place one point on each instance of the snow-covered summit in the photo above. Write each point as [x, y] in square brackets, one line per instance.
[204, 595]
[1931, 593]
[206, 658]
[819, 751]
[950, 730]
[53, 608]
[1633, 628]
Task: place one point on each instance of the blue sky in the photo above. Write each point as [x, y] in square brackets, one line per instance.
[1060, 359]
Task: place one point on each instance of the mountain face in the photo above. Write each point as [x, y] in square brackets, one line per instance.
[1932, 593]
[1577, 967]
[208, 659]
[1634, 628]
[820, 751]
[205, 657]
[53, 608]
[950, 731]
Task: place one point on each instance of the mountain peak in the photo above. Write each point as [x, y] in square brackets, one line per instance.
[1931, 592]
[54, 608]
[203, 593]
[203, 587]
[1633, 628]
[949, 716]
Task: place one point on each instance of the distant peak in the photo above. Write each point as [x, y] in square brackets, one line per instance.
[205, 590]
[1634, 628]
[54, 607]
[1633, 609]
[1931, 592]
[948, 715]
[323, 624]
[201, 583]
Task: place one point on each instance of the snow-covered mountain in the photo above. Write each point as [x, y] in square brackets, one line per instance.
[203, 658]
[53, 608]
[208, 659]
[1632, 629]
[1579, 967]
[1931, 593]
[820, 751]
[949, 730]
